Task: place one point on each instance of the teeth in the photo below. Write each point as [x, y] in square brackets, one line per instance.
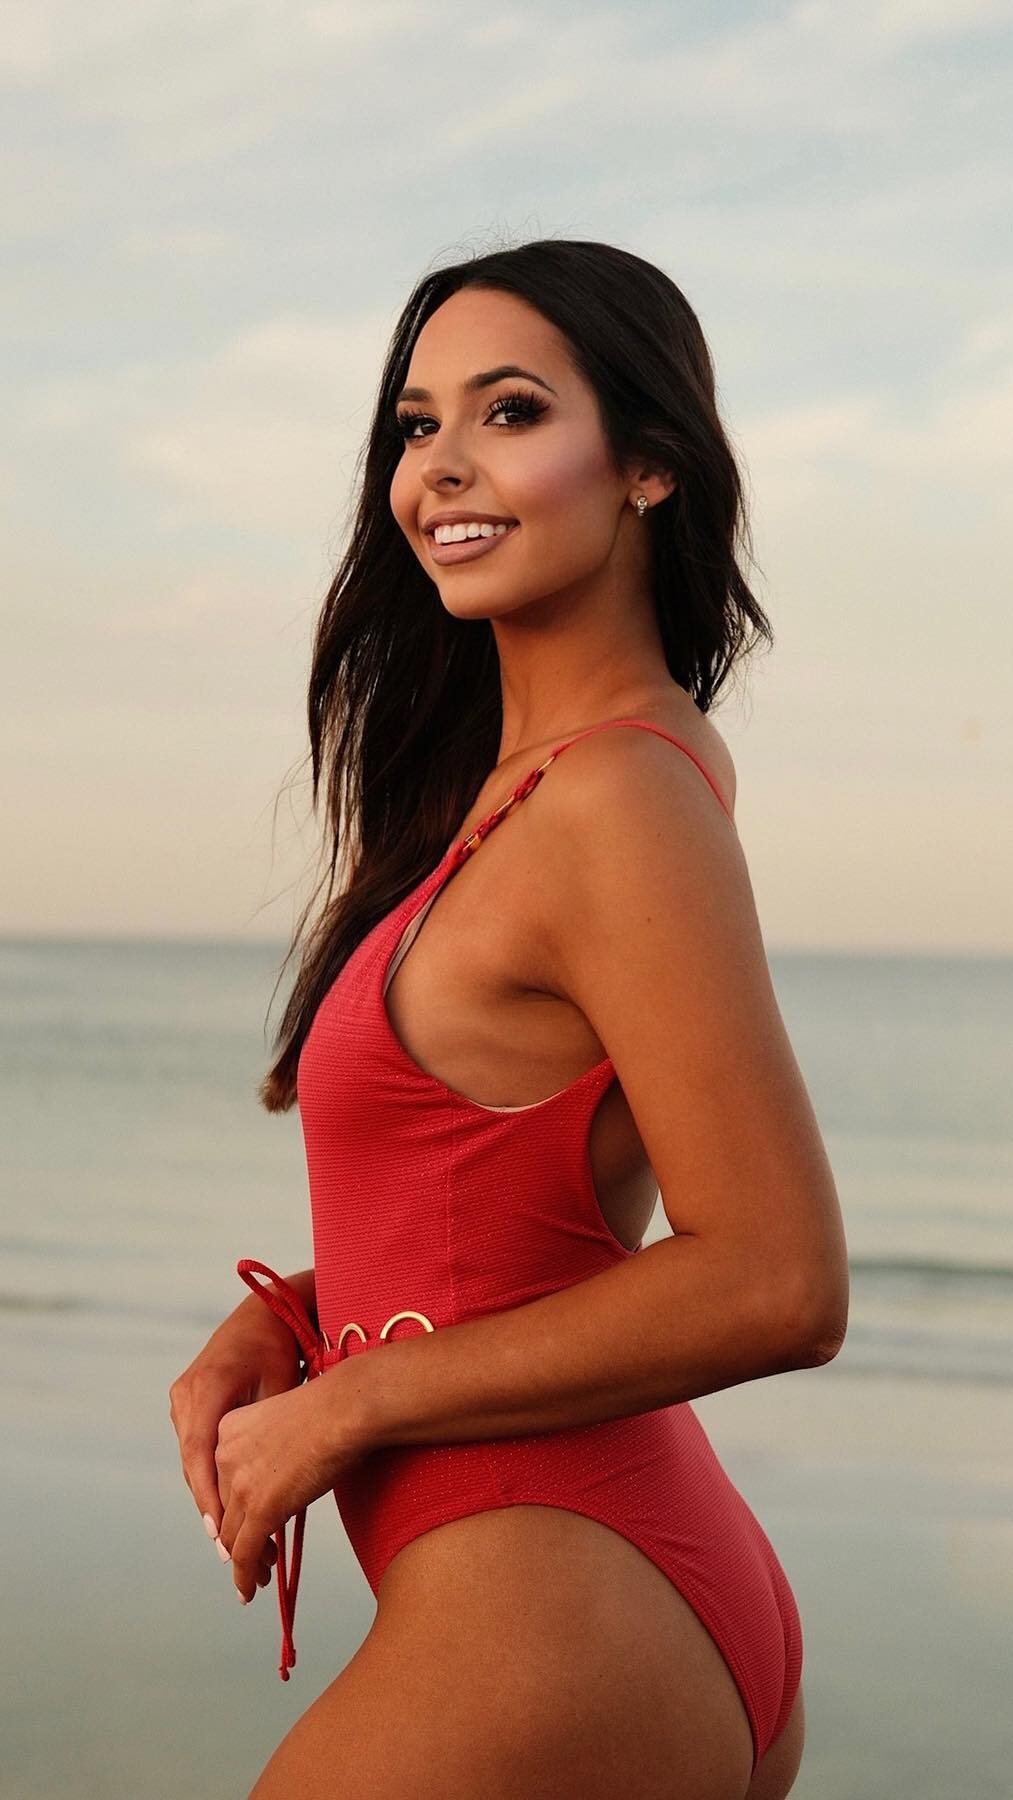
[456, 534]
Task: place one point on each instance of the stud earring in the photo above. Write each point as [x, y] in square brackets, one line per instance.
[641, 505]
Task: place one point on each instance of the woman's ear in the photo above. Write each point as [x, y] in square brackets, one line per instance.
[656, 483]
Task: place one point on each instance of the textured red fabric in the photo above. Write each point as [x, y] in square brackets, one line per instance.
[427, 1202]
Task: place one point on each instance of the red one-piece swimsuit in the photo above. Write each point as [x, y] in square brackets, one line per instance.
[428, 1209]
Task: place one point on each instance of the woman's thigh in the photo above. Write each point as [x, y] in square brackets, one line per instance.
[526, 1651]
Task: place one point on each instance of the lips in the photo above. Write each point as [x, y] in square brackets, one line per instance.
[468, 549]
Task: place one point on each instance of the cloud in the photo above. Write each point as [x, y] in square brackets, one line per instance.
[959, 439]
[270, 427]
[829, 184]
[214, 605]
[180, 85]
[895, 23]
[260, 435]
[181, 243]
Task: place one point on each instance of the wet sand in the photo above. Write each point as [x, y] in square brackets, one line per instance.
[129, 1667]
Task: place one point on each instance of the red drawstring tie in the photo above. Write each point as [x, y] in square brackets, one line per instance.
[284, 1301]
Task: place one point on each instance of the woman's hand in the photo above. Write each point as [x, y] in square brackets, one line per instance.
[251, 1357]
[275, 1457]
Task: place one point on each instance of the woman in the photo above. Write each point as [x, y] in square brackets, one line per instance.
[572, 1597]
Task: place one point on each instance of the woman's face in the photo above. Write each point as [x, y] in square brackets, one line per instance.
[525, 448]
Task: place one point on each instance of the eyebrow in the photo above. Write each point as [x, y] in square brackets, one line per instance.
[475, 383]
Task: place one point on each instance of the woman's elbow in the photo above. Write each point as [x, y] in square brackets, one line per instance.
[825, 1332]
[815, 1320]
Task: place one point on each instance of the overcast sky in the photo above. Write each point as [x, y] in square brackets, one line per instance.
[212, 215]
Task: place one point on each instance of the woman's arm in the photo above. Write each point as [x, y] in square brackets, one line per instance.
[305, 1286]
[649, 927]
[672, 1323]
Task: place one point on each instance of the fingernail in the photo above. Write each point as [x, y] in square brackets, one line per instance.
[223, 1553]
[243, 1601]
[210, 1526]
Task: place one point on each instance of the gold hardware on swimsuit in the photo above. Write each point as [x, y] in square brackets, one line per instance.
[481, 830]
[351, 1326]
[407, 1315]
[364, 1335]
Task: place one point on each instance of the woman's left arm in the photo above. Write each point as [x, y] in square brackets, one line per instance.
[650, 928]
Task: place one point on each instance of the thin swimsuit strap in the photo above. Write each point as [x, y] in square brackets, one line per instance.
[467, 846]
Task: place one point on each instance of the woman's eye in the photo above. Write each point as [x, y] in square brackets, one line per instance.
[406, 422]
[525, 407]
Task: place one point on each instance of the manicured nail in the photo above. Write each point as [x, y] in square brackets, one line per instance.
[223, 1553]
[210, 1526]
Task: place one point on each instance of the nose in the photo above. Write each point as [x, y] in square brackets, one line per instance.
[443, 462]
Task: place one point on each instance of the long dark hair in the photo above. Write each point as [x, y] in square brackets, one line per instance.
[404, 700]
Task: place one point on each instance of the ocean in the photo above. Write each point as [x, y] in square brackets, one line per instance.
[138, 1166]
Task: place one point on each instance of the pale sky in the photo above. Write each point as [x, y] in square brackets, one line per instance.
[212, 215]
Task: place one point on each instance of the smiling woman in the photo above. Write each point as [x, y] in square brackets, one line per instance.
[498, 1067]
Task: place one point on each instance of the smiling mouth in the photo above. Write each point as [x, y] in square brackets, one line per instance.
[467, 549]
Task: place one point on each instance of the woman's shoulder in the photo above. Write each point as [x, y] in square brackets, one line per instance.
[625, 831]
[719, 760]
[713, 751]
[624, 761]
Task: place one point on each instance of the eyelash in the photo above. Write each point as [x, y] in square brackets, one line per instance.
[529, 405]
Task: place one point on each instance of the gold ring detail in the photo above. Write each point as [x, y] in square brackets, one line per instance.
[421, 1317]
[351, 1326]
